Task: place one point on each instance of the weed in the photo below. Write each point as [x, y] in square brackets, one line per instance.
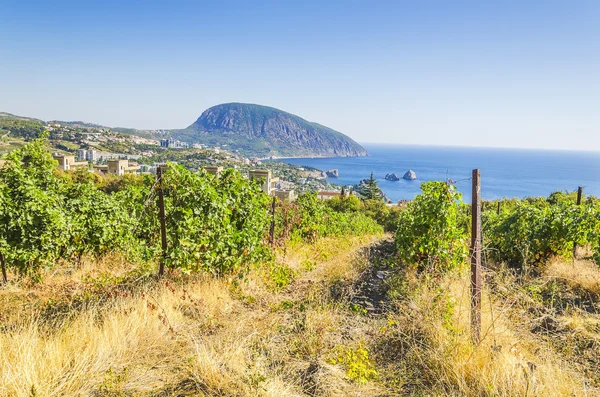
[280, 276]
[358, 309]
[359, 367]
[114, 383]
[309, 265]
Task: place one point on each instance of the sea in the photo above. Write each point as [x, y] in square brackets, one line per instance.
[510, 173]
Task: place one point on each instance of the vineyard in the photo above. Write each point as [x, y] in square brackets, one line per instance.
[316, 298]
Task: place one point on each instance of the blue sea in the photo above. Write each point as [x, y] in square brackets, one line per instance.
[504, 172]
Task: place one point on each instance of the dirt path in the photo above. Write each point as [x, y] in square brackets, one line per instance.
[370, 290]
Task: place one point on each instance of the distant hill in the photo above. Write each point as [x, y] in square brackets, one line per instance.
[19, 126]
[122, 130]
[265, 131]
[80, 124]
[9, 116]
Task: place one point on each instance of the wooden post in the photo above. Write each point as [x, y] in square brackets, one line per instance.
[498, 210]
[579, 194]
[3, 263]
[272, 229]
[476, 274]
[161, 217]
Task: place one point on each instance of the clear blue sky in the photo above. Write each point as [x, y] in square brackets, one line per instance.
[477, 73]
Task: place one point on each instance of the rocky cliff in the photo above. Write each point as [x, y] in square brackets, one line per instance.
[264, 131]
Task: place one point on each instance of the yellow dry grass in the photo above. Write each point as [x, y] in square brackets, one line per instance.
[183, 336]
[506, 362]
[81, 333]
[578, 273]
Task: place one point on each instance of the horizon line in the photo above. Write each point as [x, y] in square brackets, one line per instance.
[450, 146]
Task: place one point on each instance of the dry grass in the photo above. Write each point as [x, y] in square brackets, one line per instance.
[432, 332]
[183, 336]
[101, 330]
[578, 274]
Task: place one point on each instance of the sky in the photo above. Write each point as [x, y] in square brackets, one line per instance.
[469, 73]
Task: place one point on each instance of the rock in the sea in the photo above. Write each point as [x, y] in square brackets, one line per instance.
[392, 177]
[410, 175]
[334, 173]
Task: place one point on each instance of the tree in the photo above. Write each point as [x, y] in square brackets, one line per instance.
[372, 191]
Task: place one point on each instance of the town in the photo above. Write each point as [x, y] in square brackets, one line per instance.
[109, 151]
[119, 151]
[283, 189]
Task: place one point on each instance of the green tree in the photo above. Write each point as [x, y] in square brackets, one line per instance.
[310, 218]
[372, 191]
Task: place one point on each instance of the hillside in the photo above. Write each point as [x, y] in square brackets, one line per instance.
[10, 116]
[319, 303]
[264, 131]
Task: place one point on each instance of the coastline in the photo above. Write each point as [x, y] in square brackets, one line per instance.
[505, 172]
[273, 158]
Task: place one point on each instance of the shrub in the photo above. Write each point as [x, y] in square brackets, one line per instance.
[310, 218]
[33, 227]
[214, 223]
[99, 222]
[535, 231]
[429, 232]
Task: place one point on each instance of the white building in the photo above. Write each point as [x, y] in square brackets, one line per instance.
[68, 162]
[91, 155]
[88, 155]
[269, 183]
[173, 144]
[214, 169]
[286, 195]
[330, 195]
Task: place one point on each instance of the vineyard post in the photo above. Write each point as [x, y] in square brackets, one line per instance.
[161, 216]
[476, 276]
[498, 210]
[3, 263]
[272, 229]
[579, 194]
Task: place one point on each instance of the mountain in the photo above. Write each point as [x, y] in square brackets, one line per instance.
[264, 131]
